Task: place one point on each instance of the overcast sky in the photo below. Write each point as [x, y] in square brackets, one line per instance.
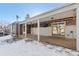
[8, 12]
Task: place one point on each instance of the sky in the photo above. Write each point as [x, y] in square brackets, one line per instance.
[8, 11]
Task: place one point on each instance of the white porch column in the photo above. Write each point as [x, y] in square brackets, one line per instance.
[77, 27]
[38, 34]
[25, 30]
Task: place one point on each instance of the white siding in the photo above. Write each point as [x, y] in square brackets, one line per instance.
[77, 18]
[45, 31]
[68, 30]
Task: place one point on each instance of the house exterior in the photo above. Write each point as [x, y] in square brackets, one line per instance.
[18, 27]
[58, 26]
[3, 30]
[22, 29]
[13, 28]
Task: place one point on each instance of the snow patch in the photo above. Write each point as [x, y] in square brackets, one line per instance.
[34, 48]
[5, 37]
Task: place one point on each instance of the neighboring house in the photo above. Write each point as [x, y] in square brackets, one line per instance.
[1, 29]
[58, 26]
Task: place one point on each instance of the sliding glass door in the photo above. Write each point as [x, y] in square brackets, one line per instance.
[58, 29]
[61, 29]
[55, 29]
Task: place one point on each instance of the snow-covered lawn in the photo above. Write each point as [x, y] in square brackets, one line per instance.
[34, 48]
[5, 37]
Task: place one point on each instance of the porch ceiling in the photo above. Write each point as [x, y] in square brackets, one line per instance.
[53, 12]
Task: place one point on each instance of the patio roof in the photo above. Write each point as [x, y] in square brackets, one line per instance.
[65, 8]
[46, 16]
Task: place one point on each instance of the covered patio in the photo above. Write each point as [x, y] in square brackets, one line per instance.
[40, 27]
[42, 30]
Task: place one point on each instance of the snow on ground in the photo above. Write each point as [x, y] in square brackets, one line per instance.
[34, 48]
[5, 37]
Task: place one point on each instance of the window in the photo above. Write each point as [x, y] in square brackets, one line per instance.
[58, 29]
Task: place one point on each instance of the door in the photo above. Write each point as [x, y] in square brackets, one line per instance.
[55, 29]
[61, 29]
[58, 29]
